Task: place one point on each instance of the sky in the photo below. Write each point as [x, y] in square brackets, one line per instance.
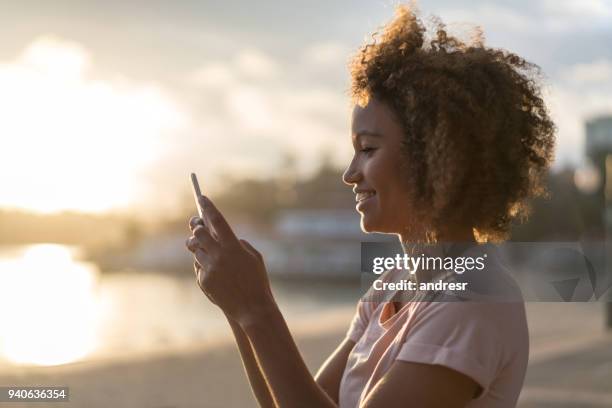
[109, 105]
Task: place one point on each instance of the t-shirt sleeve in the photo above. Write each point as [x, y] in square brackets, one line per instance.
[360, 320]
[463, 336]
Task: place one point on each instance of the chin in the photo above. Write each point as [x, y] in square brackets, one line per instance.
[365, 228]
[369, 225]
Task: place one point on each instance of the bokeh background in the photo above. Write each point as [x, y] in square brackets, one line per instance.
[107, 106]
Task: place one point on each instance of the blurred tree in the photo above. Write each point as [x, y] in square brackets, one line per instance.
[564, 216]
[286, 181]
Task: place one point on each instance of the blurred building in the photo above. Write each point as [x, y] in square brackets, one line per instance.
[599, 136]
[322, 243]
[599, 149]
[330, 224]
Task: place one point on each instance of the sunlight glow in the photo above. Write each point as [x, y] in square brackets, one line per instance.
[50, 308]
[69, 141]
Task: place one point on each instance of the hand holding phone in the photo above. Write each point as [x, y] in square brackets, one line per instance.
[220, 259]
[197, 193]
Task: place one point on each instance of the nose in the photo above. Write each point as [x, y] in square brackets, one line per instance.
[352, 174]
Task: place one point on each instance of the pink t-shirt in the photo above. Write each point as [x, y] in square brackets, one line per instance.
[487, 341]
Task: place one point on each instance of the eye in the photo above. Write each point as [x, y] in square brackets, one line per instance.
[367, 150]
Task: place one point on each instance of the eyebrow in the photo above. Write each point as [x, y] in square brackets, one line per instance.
[367, 133]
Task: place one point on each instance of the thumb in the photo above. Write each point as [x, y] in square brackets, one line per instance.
[251, 249]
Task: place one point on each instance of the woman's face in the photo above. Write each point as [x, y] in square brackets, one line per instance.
[375, 171]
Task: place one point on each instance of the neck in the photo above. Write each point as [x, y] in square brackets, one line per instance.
[447, 236]
[446, 239]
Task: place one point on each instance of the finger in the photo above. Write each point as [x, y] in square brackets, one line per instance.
[255, 252]
[192, 243]
[196, 266]
[199, 282]
[205, 239]
[199, 273]
[194, 222]
[202, 257]
[217, 221]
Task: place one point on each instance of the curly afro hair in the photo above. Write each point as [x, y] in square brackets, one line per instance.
[478, 139]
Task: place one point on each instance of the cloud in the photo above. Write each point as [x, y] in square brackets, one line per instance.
[244, 126]
[570, 108]
[579, 92]
[597, 73]
[213, 75]
[247, 65]
[255, 64]
[551, 17]
[273, 107]
[326, 55]
[250, 108]
[56, 57]
[71, 141]
[490, 16]
[594, 9]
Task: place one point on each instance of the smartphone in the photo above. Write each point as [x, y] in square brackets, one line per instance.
[197, 193]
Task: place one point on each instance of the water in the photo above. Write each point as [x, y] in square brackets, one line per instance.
[56, 308]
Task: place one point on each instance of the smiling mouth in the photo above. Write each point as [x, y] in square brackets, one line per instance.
[364, 196]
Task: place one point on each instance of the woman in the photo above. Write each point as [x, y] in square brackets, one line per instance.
[450, 141]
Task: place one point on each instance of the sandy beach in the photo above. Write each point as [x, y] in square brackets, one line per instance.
[207, 376]
[570, 366]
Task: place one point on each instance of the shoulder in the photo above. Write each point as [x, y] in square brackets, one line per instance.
[478, 340]
[496, 319]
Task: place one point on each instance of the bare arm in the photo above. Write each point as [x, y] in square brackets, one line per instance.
[291, 384]
[423, 386]
[328, 377]
[331, 371]
[256, 379]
